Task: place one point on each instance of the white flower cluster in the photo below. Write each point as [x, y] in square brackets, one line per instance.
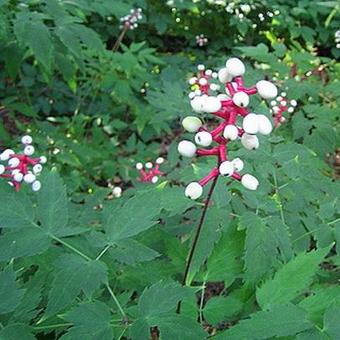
[201, 40]
[201, 84]
[152, 174]
[337, 38]
[17, 165]
[228, 106]
[130, 21]
[282, 104]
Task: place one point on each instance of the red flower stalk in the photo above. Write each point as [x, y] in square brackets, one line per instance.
[150, 173]
[18, 169]
[281, 105]
[228, 106]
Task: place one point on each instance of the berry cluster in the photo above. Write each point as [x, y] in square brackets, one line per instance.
[228, 106]
[18, 166]
[130, 21]
[337, 38]
[150, 173]
[201, 40]
[281, 105]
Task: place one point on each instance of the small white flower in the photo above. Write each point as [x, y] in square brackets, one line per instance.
[250, 123]
[186, 148]
[194, 190]
[241, 99]
[226, 168]
[230, 132]
[250, 142]
[29, 178]
[160, 160]
[266, 89]
[203, 138]
[29, 150]
[250, 182]
[235, 67]
[191, 124]
[26, 140]
[36, 186]
[139, 166]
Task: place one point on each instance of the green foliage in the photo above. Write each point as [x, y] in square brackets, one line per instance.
[77, 263]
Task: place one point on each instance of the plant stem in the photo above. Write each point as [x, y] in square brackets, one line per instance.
[119, 40]
[201, 302]
[103, 252]
[196, 237]
[117, 303]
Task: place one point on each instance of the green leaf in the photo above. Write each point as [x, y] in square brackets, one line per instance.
[52, 210]
[91, 321]
[225, 261]
[260, 247]
[10, 293]
[16, 209]
[290, 280]
[221, 308]
[319, 301]
[38, 38]
[278, 322]
[24, 242]
[162, 297]
[136, 215]
[16, 331]
[332, 322]
[75, 274]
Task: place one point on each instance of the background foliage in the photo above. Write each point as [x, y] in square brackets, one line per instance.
[76, 263]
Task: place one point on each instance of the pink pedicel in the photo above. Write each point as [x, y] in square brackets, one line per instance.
[22, 167]
[150, 173]
[228, 102]
[281, 105]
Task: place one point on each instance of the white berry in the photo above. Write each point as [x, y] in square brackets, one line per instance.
[29, 178]
[203, 138]
[266, 89]
[191, 124]
[154, 179]
[13, 162]
[238, 164]
[2, 169]
[18, 177]
[186, 148]
[4, 156]
[250, 182]
[224, 76]
[264, 124]
[37, 169]
[26, 140]
[211, 104]
[203, 81]
[293, 102]
[160, 160]
[226, 168]
[250, 142]
[192, 80]
[117, 192]
[139, 166]
[29, 150]
[250, 123]
[36, 186]
[241, 99]
[43, 160]
[235, 67]
[194, 190]
[148, 165]
[230, 132]
[197, 103]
